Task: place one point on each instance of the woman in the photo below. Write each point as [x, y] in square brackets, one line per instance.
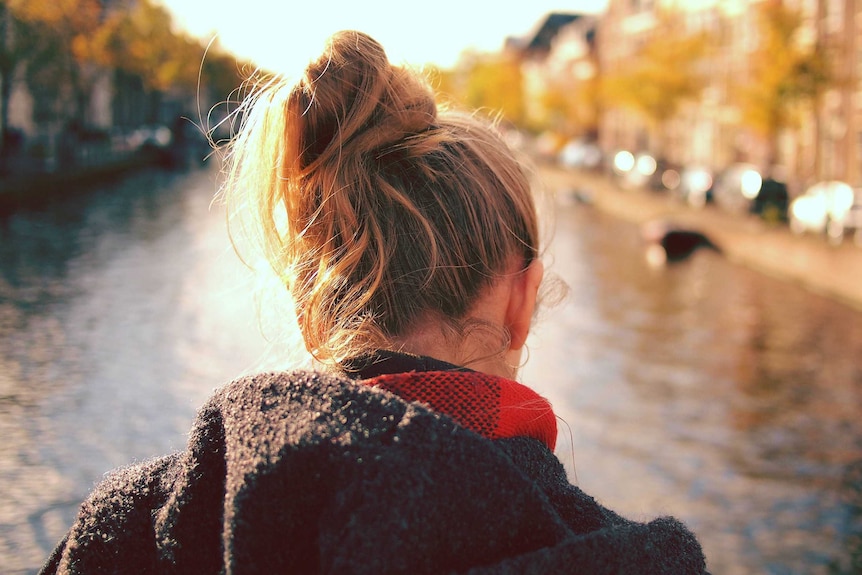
[408, 239]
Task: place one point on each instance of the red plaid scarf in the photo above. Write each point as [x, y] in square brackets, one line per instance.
[491, 406]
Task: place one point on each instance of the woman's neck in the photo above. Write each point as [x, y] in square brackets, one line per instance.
[480, 347]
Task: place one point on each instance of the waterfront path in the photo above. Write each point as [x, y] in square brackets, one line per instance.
[833, 271]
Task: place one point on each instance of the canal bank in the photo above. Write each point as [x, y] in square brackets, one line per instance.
[22, 189]
[832, 271]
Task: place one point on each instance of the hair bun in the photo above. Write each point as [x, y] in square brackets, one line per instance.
[353, 101]
[377, 212]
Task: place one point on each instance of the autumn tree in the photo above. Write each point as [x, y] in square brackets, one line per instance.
[142, 42]
[27, 50]
[664, 74]
[77, 26]
[786, 75]
[444, 82]
[494, 82]
[16, 43]
[572, 103]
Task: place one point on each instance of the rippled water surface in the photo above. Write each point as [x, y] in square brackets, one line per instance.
[702, 390]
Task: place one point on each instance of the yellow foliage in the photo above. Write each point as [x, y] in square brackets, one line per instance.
[572, 106]
[142, 42]
[783, 73]
[662, 75]
[64, 16]
[80, 25]
[443, 82]
[494, 83]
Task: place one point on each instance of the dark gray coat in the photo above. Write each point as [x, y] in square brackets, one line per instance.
[305, 472]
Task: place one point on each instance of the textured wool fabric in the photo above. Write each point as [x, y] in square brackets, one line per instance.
[304, 472]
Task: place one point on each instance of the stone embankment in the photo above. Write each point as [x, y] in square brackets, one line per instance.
[23, 189]
[830, 270]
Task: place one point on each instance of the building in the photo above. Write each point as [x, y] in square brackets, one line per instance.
[57, 103]
[558, 65]
[820, 139]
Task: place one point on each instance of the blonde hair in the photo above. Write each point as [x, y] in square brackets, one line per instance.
[377, 209]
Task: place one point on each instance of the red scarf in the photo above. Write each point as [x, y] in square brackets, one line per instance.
[491, 406]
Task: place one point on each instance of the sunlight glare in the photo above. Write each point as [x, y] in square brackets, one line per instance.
[283, 37]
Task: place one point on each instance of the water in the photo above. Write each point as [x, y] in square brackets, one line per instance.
[702, 390]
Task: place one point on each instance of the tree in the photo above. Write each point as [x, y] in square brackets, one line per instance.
[785, 74]
[78, 26]
[28, 50]
[663, 75]
[15, 44]
[142, 42]
[494, 82]
[572, 104]
[444, 82]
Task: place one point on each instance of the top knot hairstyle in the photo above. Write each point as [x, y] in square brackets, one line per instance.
[377, 209]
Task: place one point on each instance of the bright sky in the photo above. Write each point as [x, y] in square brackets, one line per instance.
[282, 35]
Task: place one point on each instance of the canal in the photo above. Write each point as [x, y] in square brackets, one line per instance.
[702, 390]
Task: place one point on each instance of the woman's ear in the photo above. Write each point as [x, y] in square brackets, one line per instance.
[522, 303]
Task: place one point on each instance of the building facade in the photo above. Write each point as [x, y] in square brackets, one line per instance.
[822, 137]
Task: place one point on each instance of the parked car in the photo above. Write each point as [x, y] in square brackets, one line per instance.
[736, 186]
[695, 186]
[580, 154]
[772, 201]
[831, 207]
[643, 170]
[853, 219]
[741, 188]
[621, 162]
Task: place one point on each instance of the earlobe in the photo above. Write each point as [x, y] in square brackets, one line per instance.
[522, 303]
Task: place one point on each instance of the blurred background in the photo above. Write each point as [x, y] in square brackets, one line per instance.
[700, 164]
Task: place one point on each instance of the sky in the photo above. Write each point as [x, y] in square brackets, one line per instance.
[283, 35]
